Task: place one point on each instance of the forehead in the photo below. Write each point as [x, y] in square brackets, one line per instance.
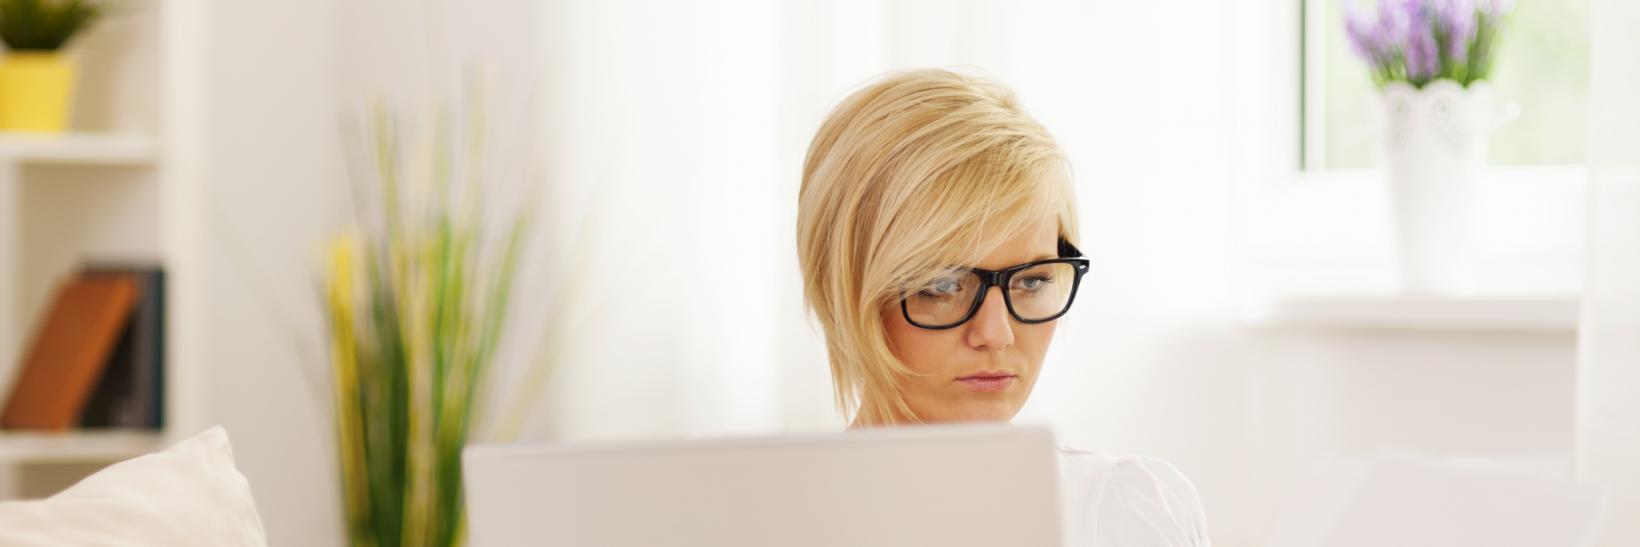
[1038, 241]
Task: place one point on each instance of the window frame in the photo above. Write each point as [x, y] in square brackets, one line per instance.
[1310, 66]
[1277, 99]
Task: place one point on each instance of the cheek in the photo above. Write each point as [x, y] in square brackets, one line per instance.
[1034, 341]
[921, 350]
[924, 350]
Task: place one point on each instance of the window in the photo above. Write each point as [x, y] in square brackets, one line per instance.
[1541, 75]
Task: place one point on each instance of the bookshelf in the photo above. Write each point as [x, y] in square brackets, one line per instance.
[80, 148]
[108, 190]
[18, 447]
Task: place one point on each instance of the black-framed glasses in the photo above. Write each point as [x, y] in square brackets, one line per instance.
[1035, 292]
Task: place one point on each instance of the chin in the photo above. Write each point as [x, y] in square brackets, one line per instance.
[978, 413]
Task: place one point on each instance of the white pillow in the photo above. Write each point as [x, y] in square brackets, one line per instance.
[190, 494]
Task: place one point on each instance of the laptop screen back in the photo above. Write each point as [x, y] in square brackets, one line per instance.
[955, 486]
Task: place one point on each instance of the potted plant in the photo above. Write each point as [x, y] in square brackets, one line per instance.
[1430, 60]
[36, 78]
[416, 300]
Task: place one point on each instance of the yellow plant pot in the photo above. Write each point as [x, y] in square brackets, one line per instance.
[35, 89]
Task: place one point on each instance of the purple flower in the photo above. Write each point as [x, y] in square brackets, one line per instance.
[1376, 36]
[1406, 13]
[1421, 40]
[1395, 21]
[1361, 27]
[1457, 21]
[1494, 8]
[1423, 56]
[1412, 22]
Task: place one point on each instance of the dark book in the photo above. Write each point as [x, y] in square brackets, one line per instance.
[69, 352]
[130, 394]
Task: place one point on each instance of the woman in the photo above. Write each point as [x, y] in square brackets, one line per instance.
[936, 229]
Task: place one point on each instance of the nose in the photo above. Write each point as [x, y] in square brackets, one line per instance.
[992, 328]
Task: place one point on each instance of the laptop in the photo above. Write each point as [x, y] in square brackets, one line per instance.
[947, 485]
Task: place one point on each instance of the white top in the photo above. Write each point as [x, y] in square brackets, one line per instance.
[1127, 502]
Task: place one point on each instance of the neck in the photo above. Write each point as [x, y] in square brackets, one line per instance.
[886, 418]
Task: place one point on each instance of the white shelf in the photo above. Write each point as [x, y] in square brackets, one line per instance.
[78, 149]
[1541, 313]
[77, 446]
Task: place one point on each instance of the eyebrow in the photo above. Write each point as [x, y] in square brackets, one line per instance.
[1049, 256]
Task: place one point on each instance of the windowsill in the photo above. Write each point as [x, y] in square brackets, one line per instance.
[1542, 314]
[1320, 255]
[1499, 174]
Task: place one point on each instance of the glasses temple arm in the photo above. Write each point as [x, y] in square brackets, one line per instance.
[1066, 250]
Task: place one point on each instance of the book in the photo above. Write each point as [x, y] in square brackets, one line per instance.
[69, 352]
[131, 391]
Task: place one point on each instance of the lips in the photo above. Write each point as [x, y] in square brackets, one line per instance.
[990, 381]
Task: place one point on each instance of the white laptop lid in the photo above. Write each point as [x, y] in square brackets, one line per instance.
[954, 486]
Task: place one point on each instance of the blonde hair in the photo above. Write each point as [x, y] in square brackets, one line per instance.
[915, 171]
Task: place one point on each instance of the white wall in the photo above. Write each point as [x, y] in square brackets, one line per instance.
[268, 164]
[1608, 426]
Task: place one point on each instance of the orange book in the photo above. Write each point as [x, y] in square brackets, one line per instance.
[70, 351]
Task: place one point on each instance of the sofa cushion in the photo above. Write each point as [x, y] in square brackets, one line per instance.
[189, 494]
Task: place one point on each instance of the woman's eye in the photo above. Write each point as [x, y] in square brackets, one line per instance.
[1035, 282]
[940, 287]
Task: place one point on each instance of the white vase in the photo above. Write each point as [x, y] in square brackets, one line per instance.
[1433, 150]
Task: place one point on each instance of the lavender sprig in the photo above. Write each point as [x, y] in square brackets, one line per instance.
[1420, 41]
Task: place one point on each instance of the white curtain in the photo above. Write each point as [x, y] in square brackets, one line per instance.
[1608, 432]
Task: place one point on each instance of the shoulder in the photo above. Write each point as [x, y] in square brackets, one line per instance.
[1129, 501]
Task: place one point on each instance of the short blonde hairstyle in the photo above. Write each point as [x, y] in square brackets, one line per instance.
[915, 171]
